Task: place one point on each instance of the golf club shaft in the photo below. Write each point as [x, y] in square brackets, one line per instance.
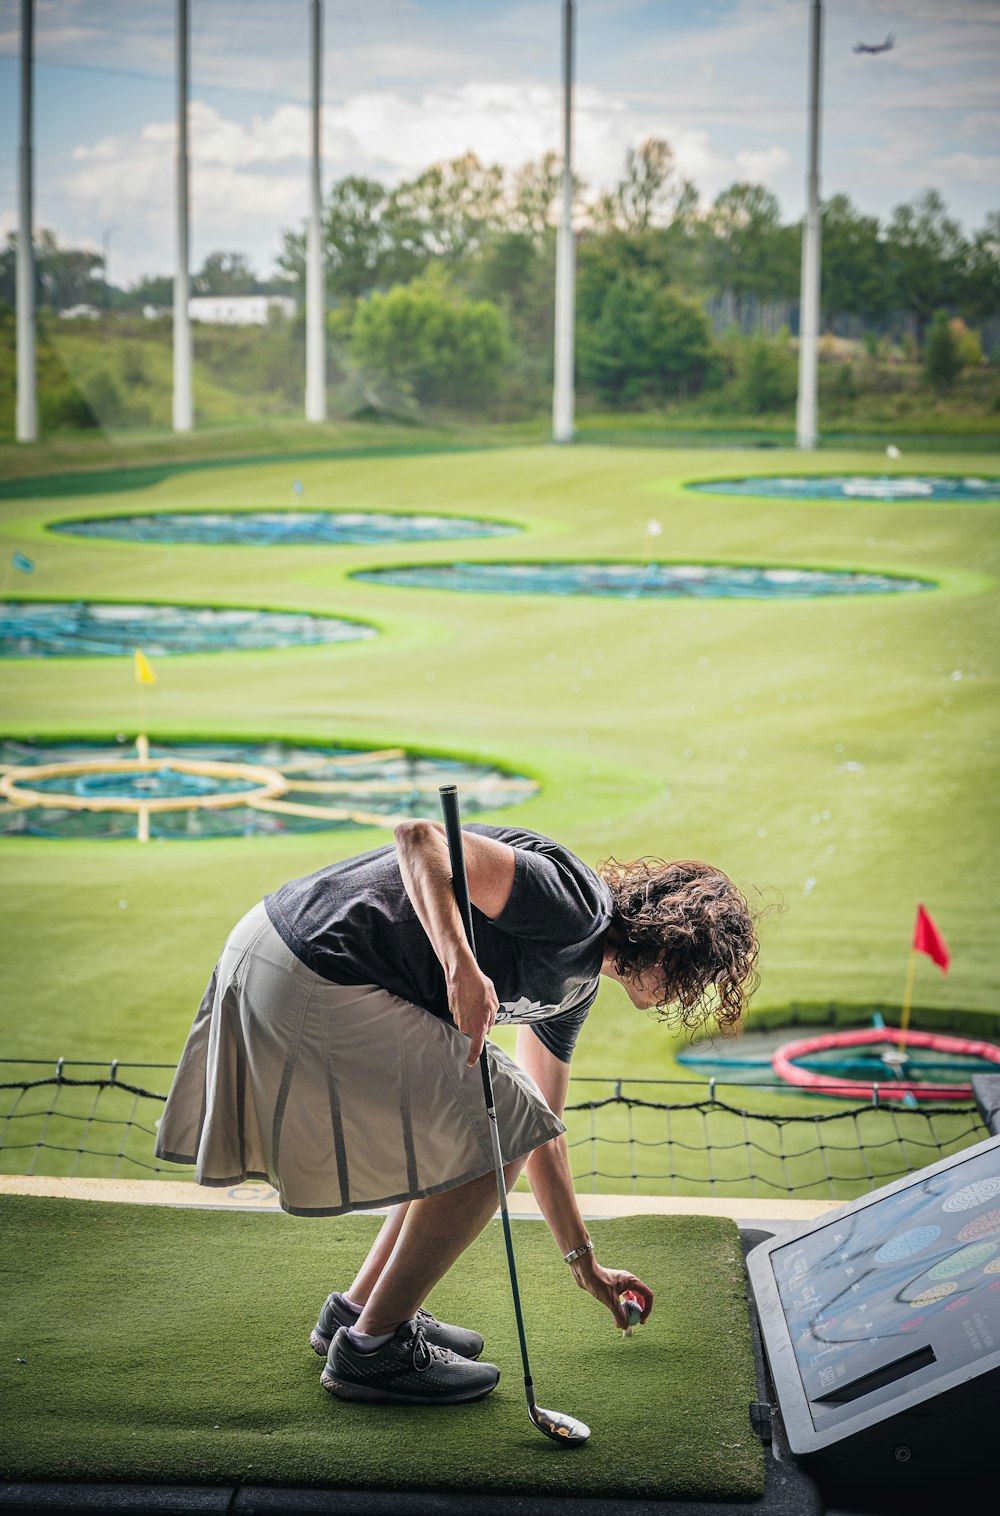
[456, 850]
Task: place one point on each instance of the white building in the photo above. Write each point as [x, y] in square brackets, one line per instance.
[239, 310]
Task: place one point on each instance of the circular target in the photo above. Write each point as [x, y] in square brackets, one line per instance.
[652, 580]
[935, 1293]
[280, 528]
[986, 1225]
[905, 1244]
[971, 1195]
[962, 1261]
[872, 487]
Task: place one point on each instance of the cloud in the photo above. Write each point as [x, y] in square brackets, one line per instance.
[762, 166]
[968, 166]
[409, 82]
[248, 178]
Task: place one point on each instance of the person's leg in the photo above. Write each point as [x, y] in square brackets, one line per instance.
[433, 1232]
[368, 1275]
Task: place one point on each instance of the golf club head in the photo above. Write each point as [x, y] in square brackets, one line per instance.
[562, 1429]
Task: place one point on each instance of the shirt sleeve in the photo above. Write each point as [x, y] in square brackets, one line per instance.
[559, 1033]
[554, 898]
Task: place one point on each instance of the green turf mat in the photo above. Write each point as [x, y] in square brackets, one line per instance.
[149, 1344]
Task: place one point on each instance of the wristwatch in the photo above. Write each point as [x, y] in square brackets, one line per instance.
[575, 1253]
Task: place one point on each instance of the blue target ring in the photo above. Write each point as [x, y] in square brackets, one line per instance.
[906, 1244]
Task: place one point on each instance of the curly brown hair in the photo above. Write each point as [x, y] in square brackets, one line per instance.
[689, 921]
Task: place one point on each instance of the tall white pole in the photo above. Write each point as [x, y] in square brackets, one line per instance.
[27, 388]
[562, 389]
[183, 403]
[315, 273]
[806, 423]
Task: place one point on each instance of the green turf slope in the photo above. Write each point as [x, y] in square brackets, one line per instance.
[837, 754]
[147, 1344]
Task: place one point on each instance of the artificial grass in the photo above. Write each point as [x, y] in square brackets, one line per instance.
[825, 753]
[148, 1344]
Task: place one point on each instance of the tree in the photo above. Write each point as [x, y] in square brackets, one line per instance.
[642, 341]
[649, 172]
[225, 274]
[532, 196]
[151, 289]
[853, 262]
[647, 193]
[980, 284]
[604, 259]
[357, 244]
[943, 360]
[925, 252]
[446, 213]
[768, 381]
[8, 271]
[64, 276]
[750, 253]
[428, 338]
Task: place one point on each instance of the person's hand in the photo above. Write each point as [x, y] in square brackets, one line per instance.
[607, 1284]
[472, 1000]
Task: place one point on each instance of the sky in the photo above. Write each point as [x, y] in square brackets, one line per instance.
[410, 82]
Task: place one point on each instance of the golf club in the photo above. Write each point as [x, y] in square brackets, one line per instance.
[563, 1429]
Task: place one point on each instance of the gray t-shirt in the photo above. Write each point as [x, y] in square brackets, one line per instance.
[353, 923]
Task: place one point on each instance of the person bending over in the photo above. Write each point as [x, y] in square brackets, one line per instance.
[334, 1054]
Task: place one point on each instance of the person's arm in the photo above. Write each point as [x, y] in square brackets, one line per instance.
[425, 866]
[551, 1181]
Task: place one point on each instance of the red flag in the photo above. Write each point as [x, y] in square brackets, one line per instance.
[927, 939]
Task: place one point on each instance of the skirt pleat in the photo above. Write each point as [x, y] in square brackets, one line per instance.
[344, 1097]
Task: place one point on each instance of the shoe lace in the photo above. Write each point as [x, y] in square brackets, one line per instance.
[425, 1353]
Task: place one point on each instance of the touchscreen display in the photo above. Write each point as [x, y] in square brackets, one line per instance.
[897, 1293]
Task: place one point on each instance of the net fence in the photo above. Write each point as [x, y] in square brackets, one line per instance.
[626, 1136]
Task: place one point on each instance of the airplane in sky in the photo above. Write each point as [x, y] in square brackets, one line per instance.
[876, 47]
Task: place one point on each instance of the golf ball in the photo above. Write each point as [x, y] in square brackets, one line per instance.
[632, 1306]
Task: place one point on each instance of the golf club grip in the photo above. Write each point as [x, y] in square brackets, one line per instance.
[456, 852]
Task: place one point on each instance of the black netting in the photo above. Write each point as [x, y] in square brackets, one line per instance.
[676, 1138]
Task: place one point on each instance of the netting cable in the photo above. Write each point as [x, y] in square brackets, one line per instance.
[105, 1125]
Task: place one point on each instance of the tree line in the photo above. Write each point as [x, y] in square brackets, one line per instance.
[471, 247]
[441, 287]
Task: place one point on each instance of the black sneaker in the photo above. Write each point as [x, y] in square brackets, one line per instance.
[337, 1313]
[406, 1370]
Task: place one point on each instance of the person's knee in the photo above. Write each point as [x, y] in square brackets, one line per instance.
[512, 1170]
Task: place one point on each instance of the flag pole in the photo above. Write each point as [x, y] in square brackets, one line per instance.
[904, 1024]
[144, 674]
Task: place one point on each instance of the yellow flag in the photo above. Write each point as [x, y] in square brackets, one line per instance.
[143, 668]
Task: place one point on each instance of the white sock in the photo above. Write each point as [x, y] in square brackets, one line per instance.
[366, 1342]
[353, 1304]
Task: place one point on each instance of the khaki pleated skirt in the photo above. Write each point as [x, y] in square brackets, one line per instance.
[344, 1097]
